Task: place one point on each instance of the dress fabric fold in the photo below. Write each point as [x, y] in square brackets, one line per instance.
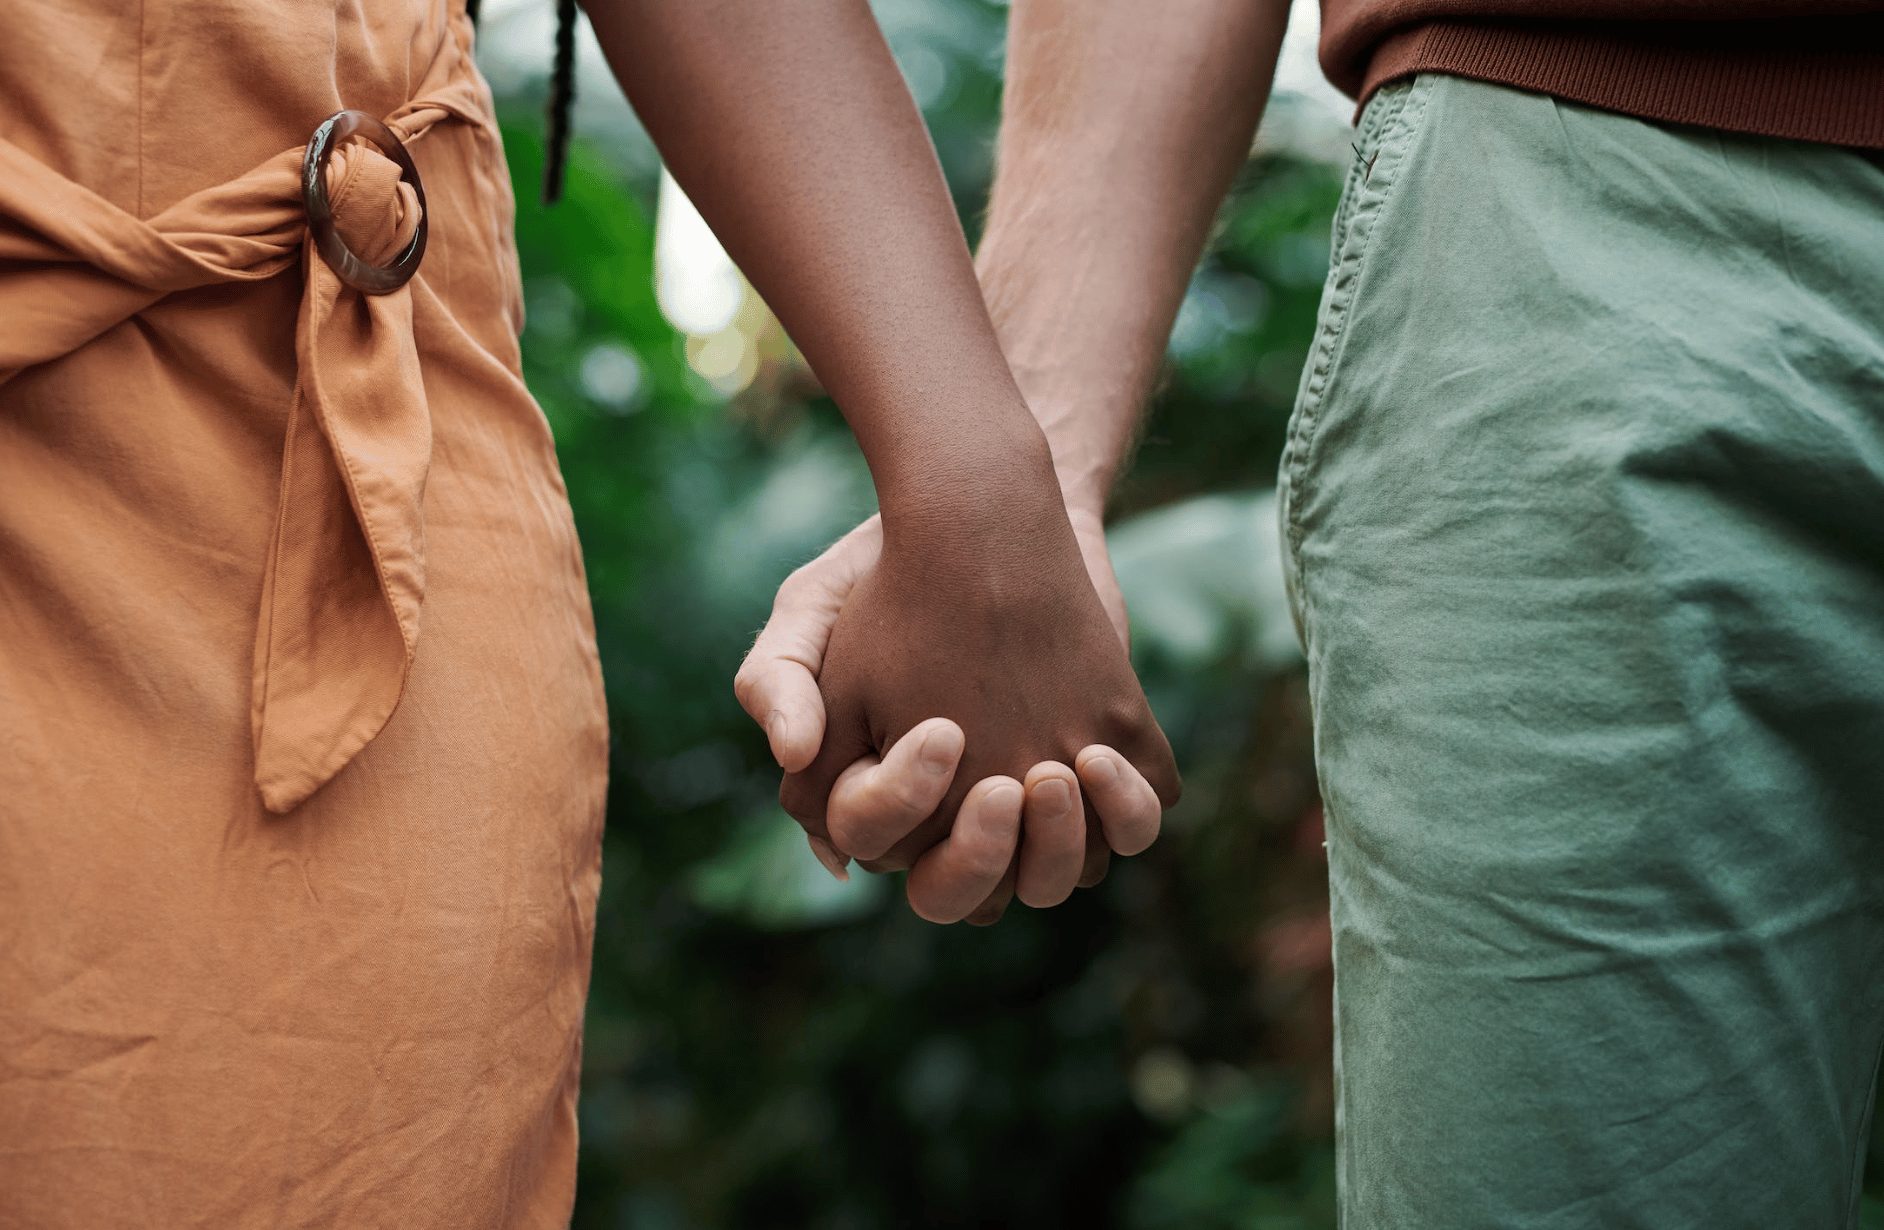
[306, 751]
[76, 266]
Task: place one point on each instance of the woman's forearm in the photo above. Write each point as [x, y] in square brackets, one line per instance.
[791, 128]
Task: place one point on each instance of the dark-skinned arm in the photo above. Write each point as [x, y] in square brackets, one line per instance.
[790, 127]
[1123, 126]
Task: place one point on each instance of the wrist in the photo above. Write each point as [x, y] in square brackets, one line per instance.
[1087, 426]
[1083, 387]
[1084, 467]
[998, 473]
[1087, 519]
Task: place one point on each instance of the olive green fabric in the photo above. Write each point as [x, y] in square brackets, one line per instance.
[1584, 513]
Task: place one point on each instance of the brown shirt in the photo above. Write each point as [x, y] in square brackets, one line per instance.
[1806, 69]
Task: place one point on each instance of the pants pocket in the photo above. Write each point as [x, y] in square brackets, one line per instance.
[1385, 131]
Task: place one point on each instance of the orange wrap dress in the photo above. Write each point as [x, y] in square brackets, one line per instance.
[302, 741]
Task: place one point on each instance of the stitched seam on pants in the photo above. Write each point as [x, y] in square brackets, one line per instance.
[1360, 174]
[1394, 134]
[1359, 170]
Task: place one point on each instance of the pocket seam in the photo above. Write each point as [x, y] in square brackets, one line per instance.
[1351, 249]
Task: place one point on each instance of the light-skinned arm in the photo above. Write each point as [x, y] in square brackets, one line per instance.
[1123, 126]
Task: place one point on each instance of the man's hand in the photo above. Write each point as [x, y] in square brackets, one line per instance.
[1101, 801]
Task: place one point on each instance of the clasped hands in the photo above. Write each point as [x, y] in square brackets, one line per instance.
[948, 692]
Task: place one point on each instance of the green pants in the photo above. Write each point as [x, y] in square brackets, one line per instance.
[1584, 513]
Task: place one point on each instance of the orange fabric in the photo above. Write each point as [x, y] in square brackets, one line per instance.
[359, 434]
[301, 793]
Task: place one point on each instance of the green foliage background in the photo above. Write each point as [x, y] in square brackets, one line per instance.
[766, 1048]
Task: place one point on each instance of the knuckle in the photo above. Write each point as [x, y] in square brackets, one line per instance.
[985, 860]
[859, 836]
[1124, 714]
[901, 798]
[796, 588]
[982, 868]
[746, 684]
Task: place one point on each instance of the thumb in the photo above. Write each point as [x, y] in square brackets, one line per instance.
[781, 695]
[777, 684]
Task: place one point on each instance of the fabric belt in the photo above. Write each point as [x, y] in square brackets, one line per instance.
[344, 580]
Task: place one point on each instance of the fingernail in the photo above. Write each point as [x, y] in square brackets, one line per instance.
[777, 726]
[941, 749]
[835, 863]
[1052, 797]
[1102, 771]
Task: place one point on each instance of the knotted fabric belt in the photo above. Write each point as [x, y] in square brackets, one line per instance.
[345, 575]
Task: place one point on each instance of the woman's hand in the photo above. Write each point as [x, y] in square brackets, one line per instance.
[1108, 802]
[979, 610]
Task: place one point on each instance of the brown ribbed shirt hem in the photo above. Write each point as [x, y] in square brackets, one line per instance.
[1751, 81]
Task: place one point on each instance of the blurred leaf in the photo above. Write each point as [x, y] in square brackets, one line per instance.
[1203, 580]
[766, 876]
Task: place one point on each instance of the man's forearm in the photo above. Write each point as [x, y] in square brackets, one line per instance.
[793, 132]
[1123, 126]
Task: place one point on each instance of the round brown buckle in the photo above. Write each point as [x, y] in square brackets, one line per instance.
[370, 279]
